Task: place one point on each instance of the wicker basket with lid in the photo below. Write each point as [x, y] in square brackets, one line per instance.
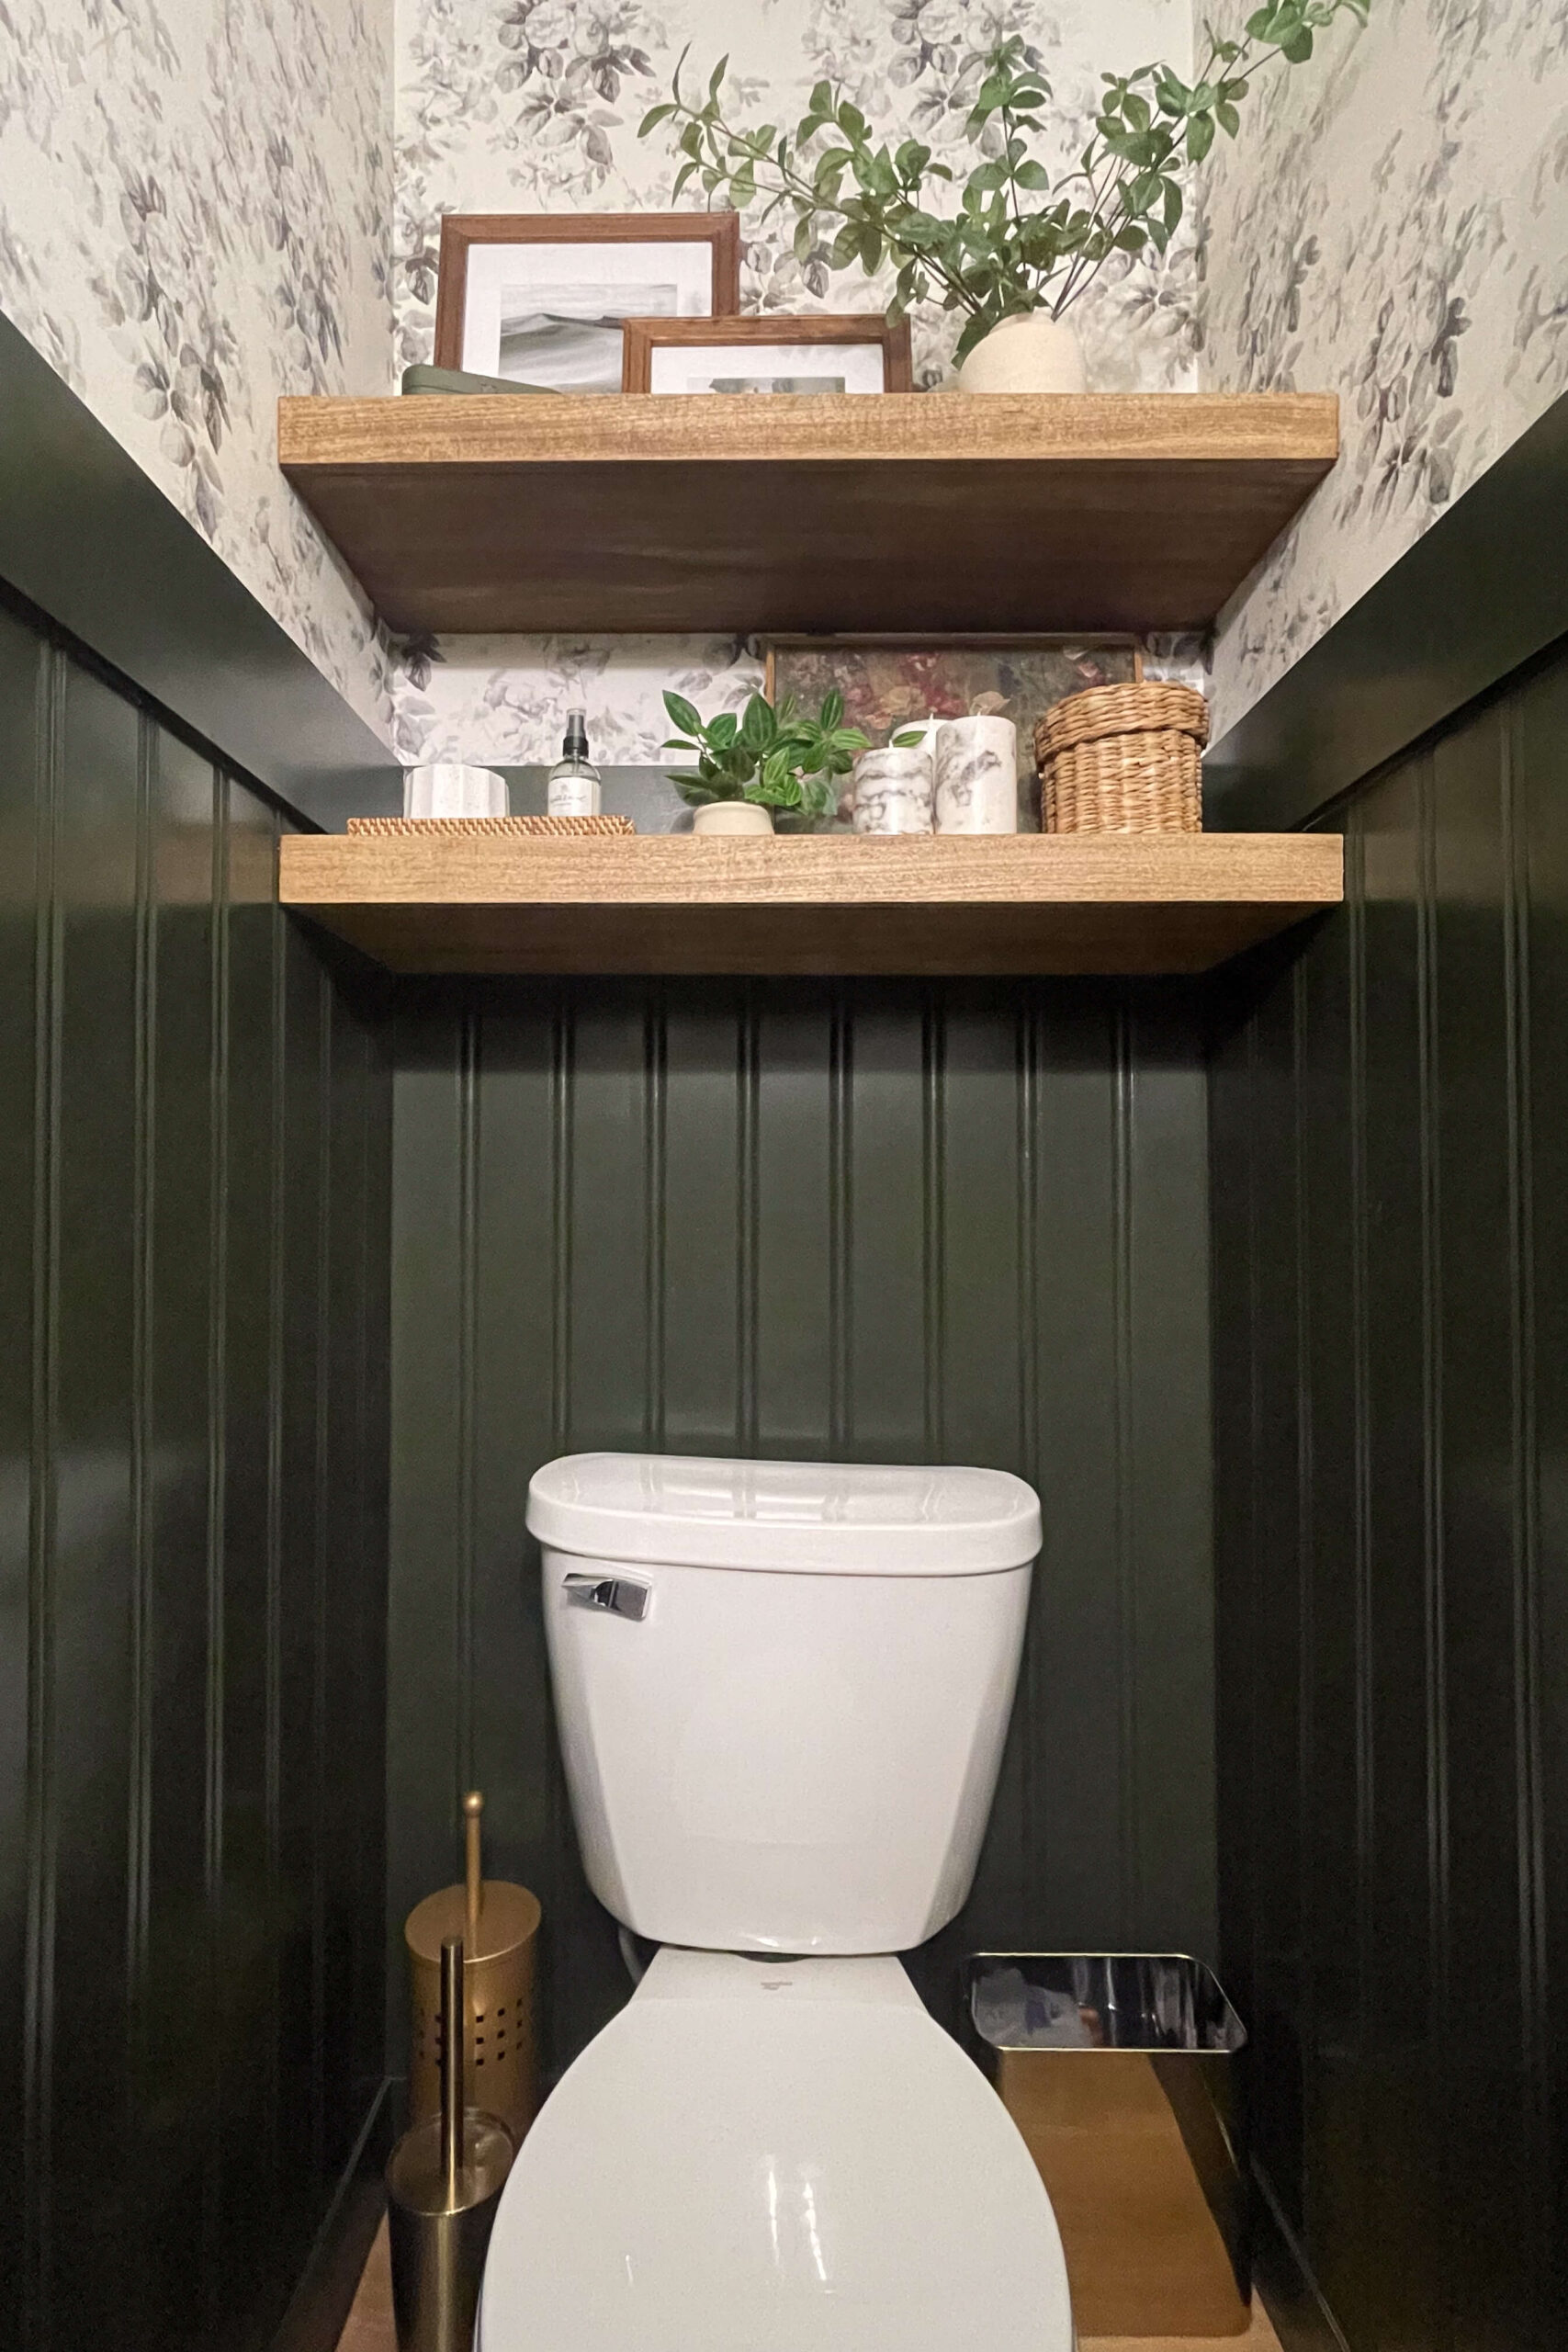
[1122, 760]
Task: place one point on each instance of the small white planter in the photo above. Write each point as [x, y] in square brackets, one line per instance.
[732, 816]
[1031, 354]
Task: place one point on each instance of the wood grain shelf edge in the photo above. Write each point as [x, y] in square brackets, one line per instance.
[822, 907]
[1274, 429]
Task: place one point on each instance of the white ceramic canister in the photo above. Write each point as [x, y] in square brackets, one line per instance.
[976, 776]
[894, 788]
[1031, 353]
[732, 816]
[454, 790]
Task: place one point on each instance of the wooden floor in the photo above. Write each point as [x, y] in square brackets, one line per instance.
[371, 2329]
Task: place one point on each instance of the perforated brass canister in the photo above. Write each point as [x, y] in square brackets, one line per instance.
[499, 1925]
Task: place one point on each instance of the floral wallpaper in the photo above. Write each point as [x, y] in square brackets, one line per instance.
[206, 202]
[1394, 229]
[195, 208]
[534, 105]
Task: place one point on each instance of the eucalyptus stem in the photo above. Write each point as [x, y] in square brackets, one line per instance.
[994, 256]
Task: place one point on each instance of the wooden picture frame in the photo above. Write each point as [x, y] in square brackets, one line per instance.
[470, 240]
[642, 339]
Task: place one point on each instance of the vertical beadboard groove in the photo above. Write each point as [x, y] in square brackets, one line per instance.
[561, 1054]
[322, 1571]
[139, 1759]
[840, 1224]
[216, 1341]
[933, 1056]
[1123, 1523]
[1252, 1409]
[469, 1049]
[1526, 1514]
[749, 1209]
[1026, 1144]
[1433, 1504]
[38, 2012]
[272, 1631]
[217, 1504]
[1360, 1406]
[1302, 1793]
[655, 1212]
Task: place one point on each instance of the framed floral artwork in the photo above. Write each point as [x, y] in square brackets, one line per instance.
[538, 298]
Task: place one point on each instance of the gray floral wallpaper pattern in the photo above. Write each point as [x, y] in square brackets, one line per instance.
[1392, 227]
[195, 208]
[206, 202]
[534, 105]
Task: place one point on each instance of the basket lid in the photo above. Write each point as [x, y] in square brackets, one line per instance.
[509, 1916]
[1158, 706]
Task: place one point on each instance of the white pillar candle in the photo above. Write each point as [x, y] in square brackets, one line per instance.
[450, 789]
[893, 789]
[976, 776]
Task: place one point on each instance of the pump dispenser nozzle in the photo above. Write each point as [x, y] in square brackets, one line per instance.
[574, 780]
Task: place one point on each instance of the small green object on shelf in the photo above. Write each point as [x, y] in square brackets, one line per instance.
[458, 380]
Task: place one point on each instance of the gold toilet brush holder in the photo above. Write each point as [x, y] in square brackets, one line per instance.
[443, 2183]
[499, 1925]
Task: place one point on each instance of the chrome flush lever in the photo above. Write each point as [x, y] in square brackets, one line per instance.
[618, 1594]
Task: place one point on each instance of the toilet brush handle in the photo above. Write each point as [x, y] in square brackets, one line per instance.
[453, 2041]
[473, 1807]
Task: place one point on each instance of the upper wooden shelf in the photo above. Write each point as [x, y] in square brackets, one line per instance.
[1016, 904]
[912, 512]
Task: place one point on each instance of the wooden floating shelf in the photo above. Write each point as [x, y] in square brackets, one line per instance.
[1017, 904]
[911, 512]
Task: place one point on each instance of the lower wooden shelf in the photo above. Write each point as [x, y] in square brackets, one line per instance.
[1016, 904]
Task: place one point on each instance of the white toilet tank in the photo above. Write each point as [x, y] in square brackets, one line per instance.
[783, 1688]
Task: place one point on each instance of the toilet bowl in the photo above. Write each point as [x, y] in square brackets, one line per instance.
[783, 1689]
[773, 2156]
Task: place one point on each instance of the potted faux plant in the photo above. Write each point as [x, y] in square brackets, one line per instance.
[750, 764]
[1018, 248]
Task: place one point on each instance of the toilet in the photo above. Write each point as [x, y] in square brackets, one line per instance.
[783, 1689]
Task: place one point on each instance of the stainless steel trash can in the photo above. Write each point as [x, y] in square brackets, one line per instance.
[1119, 2071]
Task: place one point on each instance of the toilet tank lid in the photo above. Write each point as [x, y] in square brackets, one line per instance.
[850, 1518]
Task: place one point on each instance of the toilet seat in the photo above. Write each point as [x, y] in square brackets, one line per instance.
[762, 2155]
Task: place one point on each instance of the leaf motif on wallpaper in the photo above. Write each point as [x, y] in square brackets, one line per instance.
[211, 229]
[1418, 270]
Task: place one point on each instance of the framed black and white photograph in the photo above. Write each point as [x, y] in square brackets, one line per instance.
[815, 352]
[538, 298]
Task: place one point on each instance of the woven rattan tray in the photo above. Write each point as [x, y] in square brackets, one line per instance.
[443, 827]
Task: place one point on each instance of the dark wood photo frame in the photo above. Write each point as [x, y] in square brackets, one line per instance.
[640, 338]
[461, 231]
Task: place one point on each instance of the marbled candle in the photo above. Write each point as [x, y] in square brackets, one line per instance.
[893, 789]
[976, 776]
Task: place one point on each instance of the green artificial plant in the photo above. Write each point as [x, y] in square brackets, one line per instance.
[779, 758]
[1018, 240]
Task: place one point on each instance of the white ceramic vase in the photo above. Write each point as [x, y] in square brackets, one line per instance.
[1034, 352]
[732, 816]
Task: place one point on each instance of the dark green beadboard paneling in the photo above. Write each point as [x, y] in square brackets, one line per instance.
[865, 1221]
[194, 1218]
[1390, 1188]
